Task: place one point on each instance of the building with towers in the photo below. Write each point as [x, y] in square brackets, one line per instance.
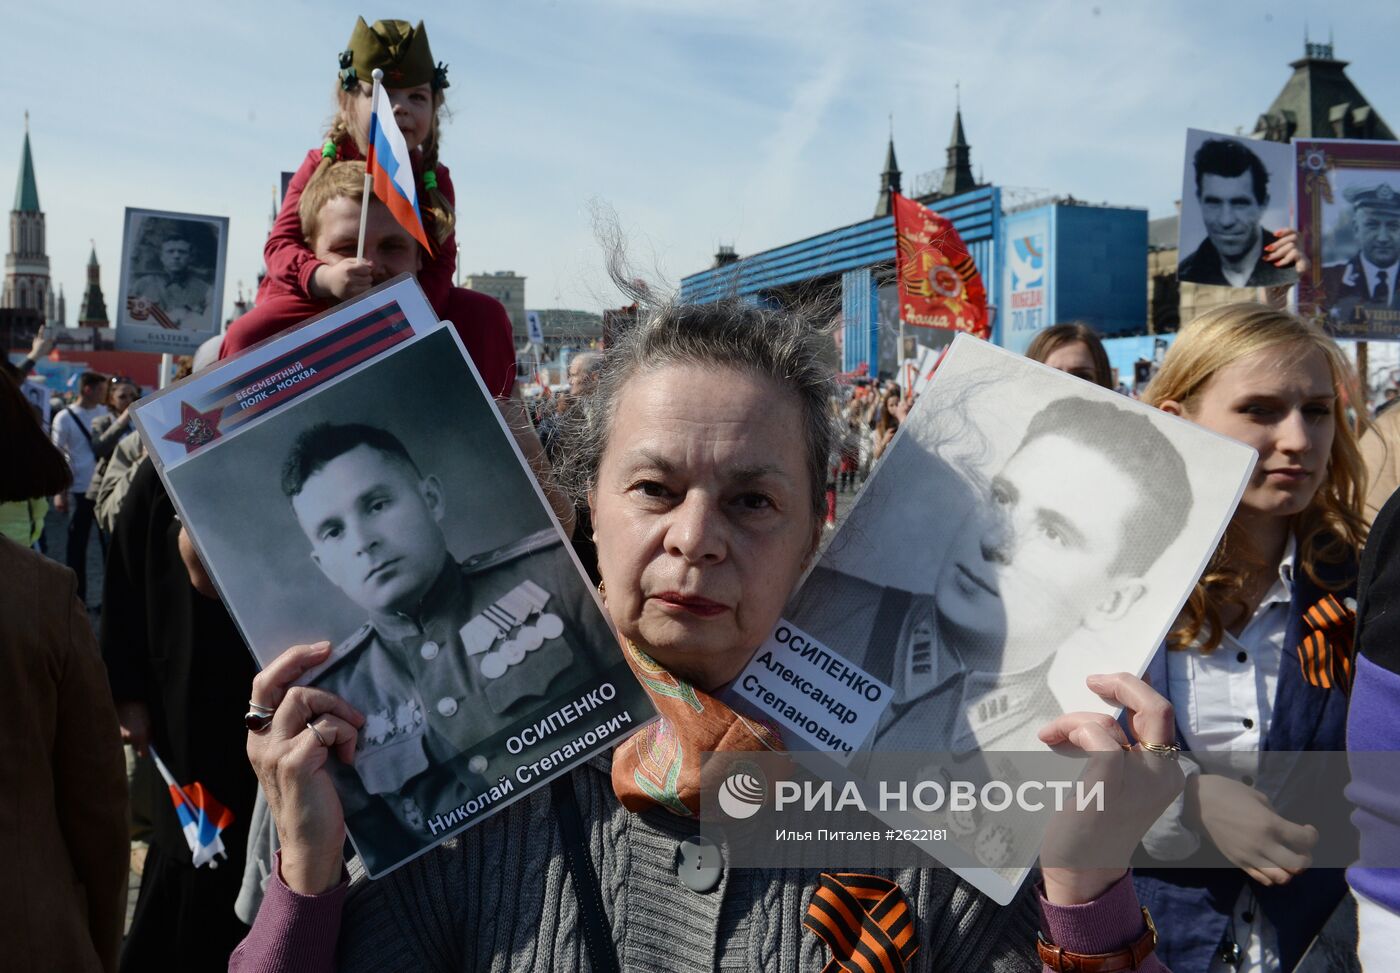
[1048, 260]
[27, 284]
[1317, 101]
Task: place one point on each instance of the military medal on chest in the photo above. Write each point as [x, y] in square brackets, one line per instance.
[518, 622]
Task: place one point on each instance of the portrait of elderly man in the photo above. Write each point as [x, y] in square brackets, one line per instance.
[1232, 192]
[452, 652]
[176, 295]
[1058, 544]
[1368, 277]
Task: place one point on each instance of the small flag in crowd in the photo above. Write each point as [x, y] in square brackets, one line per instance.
[202, 818]
[939, 285]
[387, 163]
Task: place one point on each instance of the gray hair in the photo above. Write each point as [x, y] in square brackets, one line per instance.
[788, 347]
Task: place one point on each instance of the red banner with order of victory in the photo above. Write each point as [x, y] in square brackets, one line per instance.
[939, 285]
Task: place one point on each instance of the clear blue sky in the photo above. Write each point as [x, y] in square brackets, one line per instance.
[700, 122]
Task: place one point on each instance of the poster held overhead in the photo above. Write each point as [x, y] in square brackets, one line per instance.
[170, 298]
[1235, 194]
[1349, 229]
[353, 481]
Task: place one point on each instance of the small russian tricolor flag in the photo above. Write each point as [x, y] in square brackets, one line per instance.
[387, 163]
[201, 817]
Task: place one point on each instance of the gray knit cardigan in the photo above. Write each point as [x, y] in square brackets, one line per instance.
[499, 897]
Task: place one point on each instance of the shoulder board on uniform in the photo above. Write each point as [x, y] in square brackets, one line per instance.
[528, 544]
[346, 647]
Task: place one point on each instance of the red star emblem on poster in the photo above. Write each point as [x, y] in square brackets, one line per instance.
[196, 428]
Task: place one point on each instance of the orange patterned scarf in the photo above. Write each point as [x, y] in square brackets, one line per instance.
[659, 766]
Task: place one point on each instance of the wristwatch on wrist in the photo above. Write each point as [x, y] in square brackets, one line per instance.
[1130, 958]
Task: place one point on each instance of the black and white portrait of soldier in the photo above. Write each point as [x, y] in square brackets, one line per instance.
[388, 513]
[172, 278]
[1366, 280]
[1230, 213]
[451, 652]
[1058, 543]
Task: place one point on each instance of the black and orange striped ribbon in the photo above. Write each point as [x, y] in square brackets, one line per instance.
[865, 921]
[1325, 652]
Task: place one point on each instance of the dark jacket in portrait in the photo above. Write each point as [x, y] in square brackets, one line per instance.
[1345, 289]
[1203, 266]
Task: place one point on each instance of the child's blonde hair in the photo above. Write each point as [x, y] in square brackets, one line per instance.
[1333, 527]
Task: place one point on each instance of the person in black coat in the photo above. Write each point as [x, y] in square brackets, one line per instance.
[179, 673]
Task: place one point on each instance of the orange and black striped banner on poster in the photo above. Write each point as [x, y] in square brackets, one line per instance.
[939, 284]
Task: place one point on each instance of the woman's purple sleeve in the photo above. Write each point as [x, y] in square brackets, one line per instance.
[292, 931]
[1111, 922]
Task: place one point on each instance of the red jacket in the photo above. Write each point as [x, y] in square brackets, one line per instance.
[480, 321]
[290, 262]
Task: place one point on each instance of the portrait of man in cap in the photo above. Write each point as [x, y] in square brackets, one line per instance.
[1366, 280]
[171, 278]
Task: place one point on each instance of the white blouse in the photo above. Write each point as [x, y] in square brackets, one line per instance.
[1224, 701]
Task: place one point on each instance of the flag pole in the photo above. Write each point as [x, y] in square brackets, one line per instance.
[899, 356]
[378, 76]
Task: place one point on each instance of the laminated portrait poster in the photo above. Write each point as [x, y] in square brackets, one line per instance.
[1025, 530]
[352, 481]
[171, 295]
[1349, 227]
[1235, 194]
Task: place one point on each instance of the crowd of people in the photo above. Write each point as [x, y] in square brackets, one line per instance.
[701, 453]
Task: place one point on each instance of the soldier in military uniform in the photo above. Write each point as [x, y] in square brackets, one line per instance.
[181, 296]
[1070, 525]
[453, 654]
[1367, 281]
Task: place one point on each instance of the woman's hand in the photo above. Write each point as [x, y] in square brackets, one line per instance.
[1283, 251]
[1082, 850]
[291, 766]
[1246, 829]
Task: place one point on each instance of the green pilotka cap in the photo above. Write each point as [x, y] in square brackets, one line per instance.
[401, 51]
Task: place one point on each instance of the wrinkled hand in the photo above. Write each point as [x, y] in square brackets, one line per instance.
[1137, 788]
[291, 766]
[135, 721]
[349, 278]
[1246, 829]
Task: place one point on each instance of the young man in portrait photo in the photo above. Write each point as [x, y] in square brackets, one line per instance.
[452, 653]
[179, 292]
[1232, 191]
[1060, 544]
[1368, 278]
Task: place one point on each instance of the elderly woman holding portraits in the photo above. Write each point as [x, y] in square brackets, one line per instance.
[703, 457]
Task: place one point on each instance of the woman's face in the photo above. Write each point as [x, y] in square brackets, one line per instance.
[413, 110]
[703, 513]
[1282, 402]
[1074, 357]
[121, 396]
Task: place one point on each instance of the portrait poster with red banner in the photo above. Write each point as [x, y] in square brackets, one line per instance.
[351, 480]
[939, 284]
